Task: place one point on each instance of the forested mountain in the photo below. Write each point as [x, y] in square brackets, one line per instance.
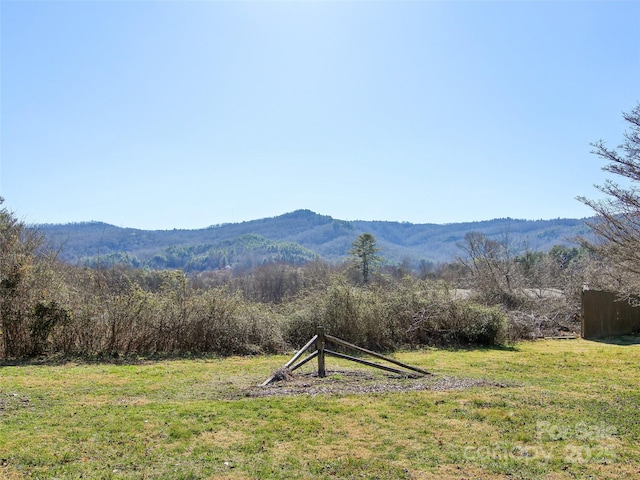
[294, 237]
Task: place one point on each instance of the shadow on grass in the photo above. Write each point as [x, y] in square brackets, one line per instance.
[107, 359]
[623, 340]
[476, 348]
[504, 348]
[136, 359]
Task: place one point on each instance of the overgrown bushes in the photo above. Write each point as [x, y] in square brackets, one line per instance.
[408, 314]
[123, 312]
[169, 321]
[48, 307]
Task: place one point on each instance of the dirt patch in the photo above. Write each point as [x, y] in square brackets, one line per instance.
[358, 382]
[12, 401]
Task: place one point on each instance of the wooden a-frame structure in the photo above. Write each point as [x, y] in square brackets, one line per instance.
[320, 341]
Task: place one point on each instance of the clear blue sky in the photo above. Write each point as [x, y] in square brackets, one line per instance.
[160, 114]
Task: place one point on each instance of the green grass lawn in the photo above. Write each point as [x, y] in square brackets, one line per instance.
[565, 409]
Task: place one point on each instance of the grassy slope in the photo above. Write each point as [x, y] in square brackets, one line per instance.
[569, 410]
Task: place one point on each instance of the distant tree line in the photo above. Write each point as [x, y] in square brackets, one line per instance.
[245, 252]
[307, 234]
[492, 294]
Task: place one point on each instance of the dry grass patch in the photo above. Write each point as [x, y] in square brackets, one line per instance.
[459, 472]
[222, 438]
[488, 413]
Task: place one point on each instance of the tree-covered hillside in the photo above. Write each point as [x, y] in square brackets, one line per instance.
[294, 237]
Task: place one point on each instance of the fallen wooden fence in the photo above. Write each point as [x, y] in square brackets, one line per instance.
[320, 340]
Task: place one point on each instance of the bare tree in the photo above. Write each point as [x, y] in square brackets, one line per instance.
[617, 224]
[490, 263]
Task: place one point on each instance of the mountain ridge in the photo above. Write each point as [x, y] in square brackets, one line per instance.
[295, 237]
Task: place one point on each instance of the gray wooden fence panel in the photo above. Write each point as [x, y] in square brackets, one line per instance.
[603, 315]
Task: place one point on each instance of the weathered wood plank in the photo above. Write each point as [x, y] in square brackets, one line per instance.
[302, 362]
[301, 351]
[298, 354]
[320, 348]
[366, 362]
[338, 341]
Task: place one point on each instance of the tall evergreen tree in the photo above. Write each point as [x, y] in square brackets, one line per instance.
[364, 250]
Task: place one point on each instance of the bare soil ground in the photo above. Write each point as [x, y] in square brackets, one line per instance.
[359, 382]
[11, 401]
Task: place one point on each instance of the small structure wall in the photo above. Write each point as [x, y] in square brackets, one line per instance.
[603, 315]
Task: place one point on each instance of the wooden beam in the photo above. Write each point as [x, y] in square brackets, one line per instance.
[320, 340]
[320, 347]
[293, 359]
[337, 341]
[365, 362]
[302, 362]
[301, 351]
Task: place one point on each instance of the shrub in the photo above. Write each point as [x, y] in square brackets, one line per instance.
[123, 318]
[480, 325]
[355, 314]
[121, 311]
[222, 322]
[407, 314]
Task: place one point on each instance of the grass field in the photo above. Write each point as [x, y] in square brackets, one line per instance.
[553, 409]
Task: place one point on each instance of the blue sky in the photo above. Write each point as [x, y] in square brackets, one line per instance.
[160, 114]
